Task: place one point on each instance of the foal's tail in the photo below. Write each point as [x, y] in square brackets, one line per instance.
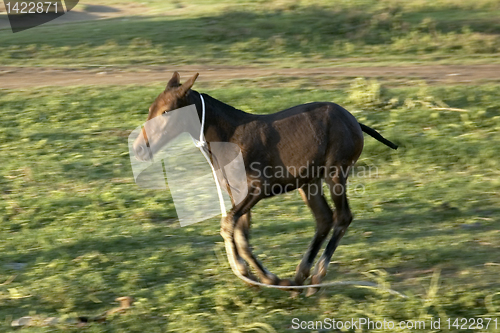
[376, 135]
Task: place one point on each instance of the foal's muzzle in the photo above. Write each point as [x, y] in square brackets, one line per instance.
[141, 150]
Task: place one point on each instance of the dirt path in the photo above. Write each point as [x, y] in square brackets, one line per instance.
[17, 77]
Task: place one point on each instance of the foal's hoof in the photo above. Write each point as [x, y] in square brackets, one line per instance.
[313, 290]
[286, 282]
[295, 293]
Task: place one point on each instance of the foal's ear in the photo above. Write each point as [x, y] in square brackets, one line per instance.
[188, 84]
[174, 81]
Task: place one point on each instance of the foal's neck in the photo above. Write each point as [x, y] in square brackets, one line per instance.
[221, 120]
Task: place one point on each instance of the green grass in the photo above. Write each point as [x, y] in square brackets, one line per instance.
[86, 233]
[283, 34]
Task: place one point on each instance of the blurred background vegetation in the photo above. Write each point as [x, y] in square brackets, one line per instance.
[76, 232]
[273, 33]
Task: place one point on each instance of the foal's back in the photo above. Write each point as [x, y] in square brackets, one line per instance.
[322, 133]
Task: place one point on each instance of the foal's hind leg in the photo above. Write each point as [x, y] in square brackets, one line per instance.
[323, 214]
[342, 218]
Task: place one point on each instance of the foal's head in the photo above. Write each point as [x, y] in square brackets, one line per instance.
[174, 96]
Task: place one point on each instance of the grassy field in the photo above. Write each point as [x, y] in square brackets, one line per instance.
[287, 33]
[76, 232]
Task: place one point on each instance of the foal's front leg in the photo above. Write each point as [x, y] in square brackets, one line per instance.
[235, 229]
[241, 237]
[239, 214]
[238, 265]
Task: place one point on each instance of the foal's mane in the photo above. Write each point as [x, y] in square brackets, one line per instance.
[212, 102]
[225, 117]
